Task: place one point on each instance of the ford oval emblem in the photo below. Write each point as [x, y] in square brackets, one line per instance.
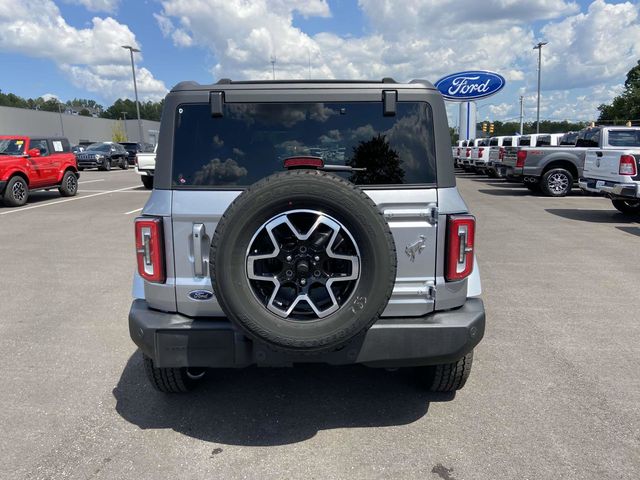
[471, 85]
[200, 294]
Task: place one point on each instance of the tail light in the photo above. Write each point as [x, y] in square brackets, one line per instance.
[303, 162]
[458, 152]
[461, 231]
[468, 154]
[520, 158]
[480, 151]
[501, 153]
[628, 166]
[136, 160]
[150, 249]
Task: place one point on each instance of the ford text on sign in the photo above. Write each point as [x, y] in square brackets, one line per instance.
[472, 85]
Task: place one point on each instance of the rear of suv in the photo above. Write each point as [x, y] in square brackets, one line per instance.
[295, 222]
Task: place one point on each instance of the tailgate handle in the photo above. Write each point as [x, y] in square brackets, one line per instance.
[199, 263]
[599, 154]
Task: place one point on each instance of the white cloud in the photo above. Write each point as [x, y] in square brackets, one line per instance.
[50, 96]
[92, 57]
[591, 48]
[109, 6]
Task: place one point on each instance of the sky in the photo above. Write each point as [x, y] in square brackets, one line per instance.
[72, 48]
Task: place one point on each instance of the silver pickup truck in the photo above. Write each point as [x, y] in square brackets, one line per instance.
[552, 170]
[615, 172]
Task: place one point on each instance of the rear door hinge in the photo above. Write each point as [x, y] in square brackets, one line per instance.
[430, 290]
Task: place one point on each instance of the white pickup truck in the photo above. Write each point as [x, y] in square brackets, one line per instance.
[146, 167]
[614, 170]
[480, 155]
[497, 147]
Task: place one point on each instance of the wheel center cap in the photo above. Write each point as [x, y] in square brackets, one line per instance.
[302, 269]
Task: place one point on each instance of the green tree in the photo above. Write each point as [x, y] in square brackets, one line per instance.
[84, 113]
[625, 106]
[380, 161]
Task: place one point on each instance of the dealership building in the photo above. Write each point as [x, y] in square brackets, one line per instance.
[22, 121]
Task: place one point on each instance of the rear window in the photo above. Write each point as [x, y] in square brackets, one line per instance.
[624, 138]
[252, 140]
[525, 141]
[506, 142]
[569, 139]
[494, 142]
[543, 141]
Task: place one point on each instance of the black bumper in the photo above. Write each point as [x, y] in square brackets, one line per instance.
[2, 185]
[173, 340]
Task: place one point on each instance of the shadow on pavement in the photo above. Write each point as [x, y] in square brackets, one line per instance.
[631, 230]
[591, 216]
[37, 197]
[262, 407]
[512, 192]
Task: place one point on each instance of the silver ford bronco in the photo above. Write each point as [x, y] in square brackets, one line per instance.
[305, 221]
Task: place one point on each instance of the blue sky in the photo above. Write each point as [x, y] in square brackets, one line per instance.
[204, 40]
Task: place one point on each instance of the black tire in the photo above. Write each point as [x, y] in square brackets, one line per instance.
[492, 173]
[80, 169]
[69, 185]
[124, 163]
[450, 377]
[303, 190]
[556, 182]
[107, 164]
[147, 181]
[16, 193]
[628, 207]
[171, 380]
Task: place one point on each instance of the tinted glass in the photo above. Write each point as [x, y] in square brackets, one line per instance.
[12, 147]
[40, 145]
[543, 141]
[252, 140]
[525, 141]
[506, 142]
[494, 142]
[569, 139]
[99, 147]
[624, 138]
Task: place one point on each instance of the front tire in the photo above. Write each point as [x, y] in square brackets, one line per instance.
[124, 163]
[69, 185]
[450, 377]
[557, 182]
[147, 181]
[628, 207]
[16, 192]
[171, 380]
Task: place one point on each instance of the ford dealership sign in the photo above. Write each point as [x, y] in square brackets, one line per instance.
[471, 85]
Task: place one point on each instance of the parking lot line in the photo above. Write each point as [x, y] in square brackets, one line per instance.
[91, 181]
[66, 200]
[133, 211]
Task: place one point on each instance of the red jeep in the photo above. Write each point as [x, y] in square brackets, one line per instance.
[35, 163]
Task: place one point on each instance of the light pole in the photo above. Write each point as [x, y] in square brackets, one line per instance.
[60, 114]
[135, 88]
[521, 114]
[273, 66]
[124, 118]
[538, 47]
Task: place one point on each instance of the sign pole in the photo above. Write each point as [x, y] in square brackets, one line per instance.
[467, 120]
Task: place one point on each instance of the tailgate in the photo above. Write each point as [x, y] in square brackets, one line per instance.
[605, 165]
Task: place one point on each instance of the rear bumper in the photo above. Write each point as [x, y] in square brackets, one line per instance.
[3, 184]
[612, 189]
[174, 340]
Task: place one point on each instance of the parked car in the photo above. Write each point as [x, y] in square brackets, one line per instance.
[305, 254]
[554, 170]
[568, 139]
[146, 167]
[28, 164]
[508, 163]
[480, 155]
[467, 162]
[103, 156]
[613, 169]
[133, 148]
[497, 146]
[77, 149]
[460, 151]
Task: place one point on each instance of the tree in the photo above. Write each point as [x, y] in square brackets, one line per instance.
[84, 113]
[118, 133]
[625, 106]
[381, 162]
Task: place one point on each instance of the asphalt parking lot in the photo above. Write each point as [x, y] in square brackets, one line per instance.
[554, 394]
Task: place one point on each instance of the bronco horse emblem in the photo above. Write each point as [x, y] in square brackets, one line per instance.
[415, 248]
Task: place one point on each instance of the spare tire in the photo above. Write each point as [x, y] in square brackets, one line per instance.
[303, 261]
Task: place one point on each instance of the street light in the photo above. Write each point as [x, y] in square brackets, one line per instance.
[135, 88]
[538, 47]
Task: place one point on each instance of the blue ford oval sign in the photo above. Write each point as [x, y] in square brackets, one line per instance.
[200, 294]
[471, 85]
